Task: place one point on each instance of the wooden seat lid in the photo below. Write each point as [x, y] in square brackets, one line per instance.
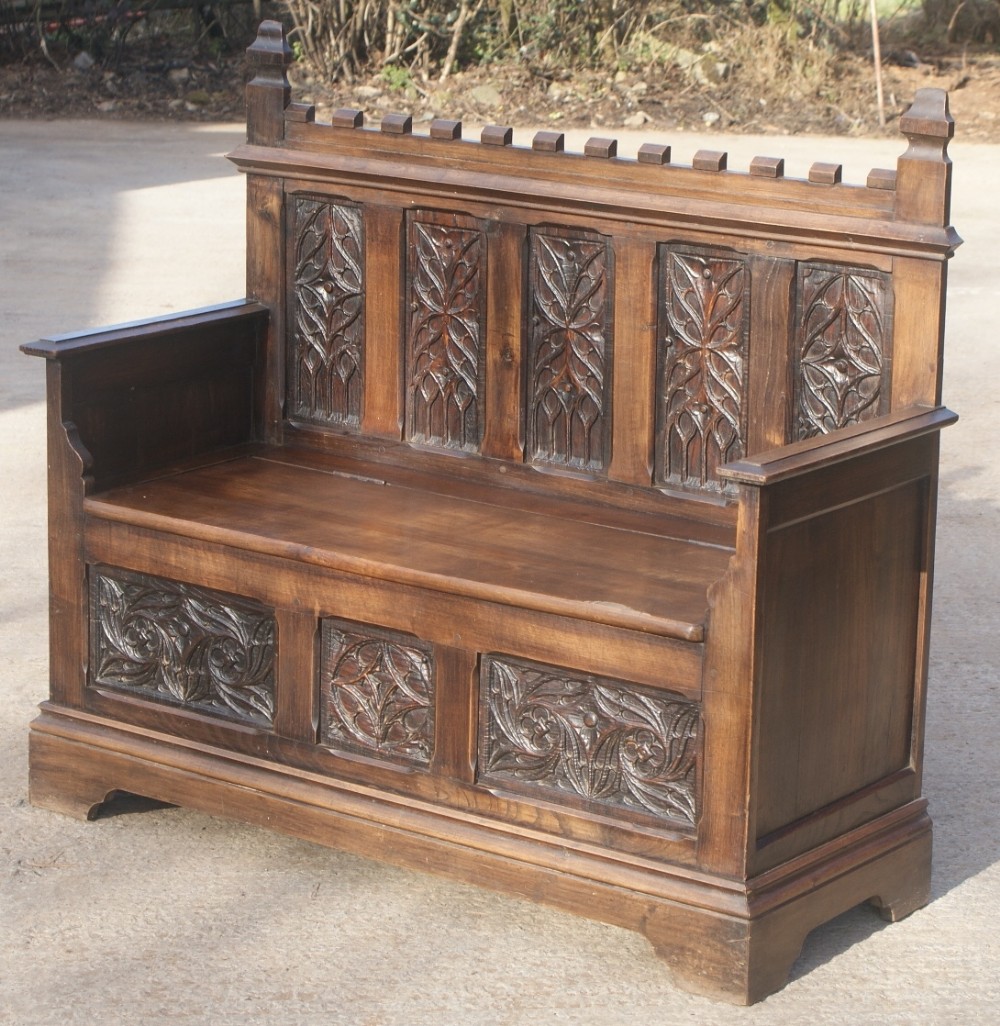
[450, 543]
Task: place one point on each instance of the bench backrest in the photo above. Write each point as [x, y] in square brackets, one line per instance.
[624, 322]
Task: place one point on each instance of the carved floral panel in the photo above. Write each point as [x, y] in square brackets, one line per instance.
[175, 642]
[701, 395]
[377, 693]
[445, 331]
[326, 337]
[842, 347]
[569, 357]
[547, 731]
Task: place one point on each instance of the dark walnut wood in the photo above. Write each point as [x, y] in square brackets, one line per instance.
[559, 522]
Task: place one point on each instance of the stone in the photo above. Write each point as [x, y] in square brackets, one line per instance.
[486, 96]
[637, 120]
[178, 76]
[83, 61]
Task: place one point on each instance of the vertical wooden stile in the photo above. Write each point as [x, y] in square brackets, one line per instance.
[68, 602]
[266, 283]
[384, 278]
[268, 94]
[295, 713]
[919, 287]
[770, 352]
[503, 437]
[725, 829]
[635, 361]
[456, 720]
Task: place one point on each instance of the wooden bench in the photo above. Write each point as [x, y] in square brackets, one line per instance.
[558, 522]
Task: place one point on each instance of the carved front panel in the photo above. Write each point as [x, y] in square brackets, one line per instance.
[445, 331]
[702, 380]
[326, 337]
[377, 693]
[175, 642]
[553, 733]
[843, 337]
[569, 358]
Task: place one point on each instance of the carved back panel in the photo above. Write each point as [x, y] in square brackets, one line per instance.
[702, 342]
[627, 322]
[326, 338]
[445, 255]
[569, 336]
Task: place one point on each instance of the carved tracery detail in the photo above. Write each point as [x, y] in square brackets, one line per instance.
[377, 693]
[570, 349]
[182, 644]
[842, 356]
[626, 746]
[701, 398]
[445, 331]
[326, 347]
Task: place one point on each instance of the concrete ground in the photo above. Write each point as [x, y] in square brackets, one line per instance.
[173, 917]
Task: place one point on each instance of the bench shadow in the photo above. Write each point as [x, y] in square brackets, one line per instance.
[124, 803]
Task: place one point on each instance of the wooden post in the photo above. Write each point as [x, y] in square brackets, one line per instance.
[268, 92]
[923, 179]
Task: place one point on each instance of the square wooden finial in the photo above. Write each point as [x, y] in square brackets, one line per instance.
[653, 153]
[826, 174]
[603, 148]
[397, 124]
[710, 160]
[549, 142]
[768, 167]
[444, 129]
[497, 135]
[347, 117]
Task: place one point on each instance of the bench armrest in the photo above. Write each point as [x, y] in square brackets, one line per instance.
[812, 454]
[127, 335]
[133, 399]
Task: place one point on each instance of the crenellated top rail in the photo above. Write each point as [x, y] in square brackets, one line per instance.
[620, 321]
[903, 210]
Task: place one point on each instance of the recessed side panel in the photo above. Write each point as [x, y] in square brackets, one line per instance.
[839, 670]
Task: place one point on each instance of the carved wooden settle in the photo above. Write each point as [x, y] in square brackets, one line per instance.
[556, 521]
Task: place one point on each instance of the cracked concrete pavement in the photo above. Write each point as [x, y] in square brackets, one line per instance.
[172, 916]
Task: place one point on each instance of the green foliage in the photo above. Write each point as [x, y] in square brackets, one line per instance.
[396, 78]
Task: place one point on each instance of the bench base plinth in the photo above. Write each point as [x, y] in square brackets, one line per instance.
[731, 940]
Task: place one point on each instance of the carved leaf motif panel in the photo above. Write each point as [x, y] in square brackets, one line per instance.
[377, 693]
[178, 643]
[843, 347]
[702, 366]
[549, 732]
[326, 361]
[570, 343]
[445, 331]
